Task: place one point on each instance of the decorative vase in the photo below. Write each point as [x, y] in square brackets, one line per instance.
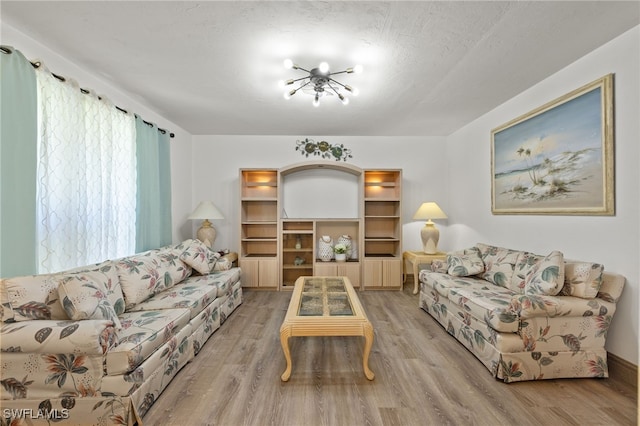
[298, 243]
[325, 248]
[348, 243]
[354, 250]
[341, 257]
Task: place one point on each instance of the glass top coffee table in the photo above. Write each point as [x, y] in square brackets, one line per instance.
[325, 306]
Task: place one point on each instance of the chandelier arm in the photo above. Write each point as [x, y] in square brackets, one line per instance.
[300, 68]
[332, 88]
[336, 81]
[339, 72]
[298, 79]
[302, 85]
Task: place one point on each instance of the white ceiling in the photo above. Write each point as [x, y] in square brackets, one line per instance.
[430, 67]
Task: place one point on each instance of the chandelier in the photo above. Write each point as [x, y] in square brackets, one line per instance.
[319, 82]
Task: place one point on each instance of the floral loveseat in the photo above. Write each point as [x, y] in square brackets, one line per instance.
[97, 345]
[524, 316]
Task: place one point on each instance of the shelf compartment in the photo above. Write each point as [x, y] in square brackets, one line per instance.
[382, 184]
[381, 208]
[382, 248]
[259, 183]
[259, 231]
[259, 211]
[292, 226]
[260, 248]
[377, 227]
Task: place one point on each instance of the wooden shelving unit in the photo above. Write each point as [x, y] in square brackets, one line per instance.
[275, 251]
[382, 228]
[258, 255]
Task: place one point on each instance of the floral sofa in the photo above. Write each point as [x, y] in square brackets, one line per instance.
[524, 316]
[97, 345]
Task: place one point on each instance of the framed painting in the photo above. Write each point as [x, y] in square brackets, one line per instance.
[557, 159]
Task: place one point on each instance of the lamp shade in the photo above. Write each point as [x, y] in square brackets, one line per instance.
[429, 211]
[206, 210]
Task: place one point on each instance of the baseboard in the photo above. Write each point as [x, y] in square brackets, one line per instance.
[623, 370]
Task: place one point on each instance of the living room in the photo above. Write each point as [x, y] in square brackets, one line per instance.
[452, 168]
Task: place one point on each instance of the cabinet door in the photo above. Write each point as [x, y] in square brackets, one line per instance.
[372, 273]
[325, 269]
[350, 270]
[392, 273]
[268, 273]
[250, 272]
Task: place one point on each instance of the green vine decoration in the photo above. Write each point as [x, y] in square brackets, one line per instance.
[323, 149]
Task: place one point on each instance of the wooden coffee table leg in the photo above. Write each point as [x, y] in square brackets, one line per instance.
[368, 343]
[285, 333]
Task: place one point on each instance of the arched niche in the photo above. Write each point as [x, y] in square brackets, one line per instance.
[321, 189]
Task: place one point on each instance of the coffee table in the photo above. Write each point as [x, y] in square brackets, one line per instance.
[325, 306]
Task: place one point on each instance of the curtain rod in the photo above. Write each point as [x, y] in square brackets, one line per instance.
[36, 65]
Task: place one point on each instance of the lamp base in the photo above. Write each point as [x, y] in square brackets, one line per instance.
[430, 236]
[206, 233]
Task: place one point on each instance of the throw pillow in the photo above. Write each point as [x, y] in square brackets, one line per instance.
[499, 264]
[582, 279]
[200, 257]
[547, 276]
[464, 265]
[222, 265]
[35, 297]
[438, 265]
[83, 298]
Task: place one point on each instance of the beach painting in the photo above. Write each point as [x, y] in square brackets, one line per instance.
[557, 159]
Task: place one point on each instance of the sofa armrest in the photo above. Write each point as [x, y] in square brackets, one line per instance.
[87, 337]
[530, 306]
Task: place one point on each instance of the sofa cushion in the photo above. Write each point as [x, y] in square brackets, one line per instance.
[88, 337]
[141, 335]
[499, 264]
[106, 273]
[487, 303]
[464, 265]
[183, 295]
[148, 273]
[582, 279]
[442, 283]
[197, 255]
[546, 276]
[222, 280]
[35, 297]
[85, 298]
[6, 313]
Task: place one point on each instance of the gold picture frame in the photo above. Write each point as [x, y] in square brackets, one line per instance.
[557, 159]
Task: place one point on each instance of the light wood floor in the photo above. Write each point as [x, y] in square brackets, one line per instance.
[423, 377]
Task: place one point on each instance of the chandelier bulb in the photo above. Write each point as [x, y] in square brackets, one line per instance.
[288, 63]
[281, 84]
[345, 101]
[357, 69]
[323, 67]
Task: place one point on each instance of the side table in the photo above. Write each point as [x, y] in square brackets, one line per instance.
[415, 258]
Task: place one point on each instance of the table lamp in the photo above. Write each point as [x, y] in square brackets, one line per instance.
[429, 233]
[206, 210]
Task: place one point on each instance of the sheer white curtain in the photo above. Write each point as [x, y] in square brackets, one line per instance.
[86, 196]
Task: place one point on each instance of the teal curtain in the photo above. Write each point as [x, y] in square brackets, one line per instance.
[153, 206]
[18, 160]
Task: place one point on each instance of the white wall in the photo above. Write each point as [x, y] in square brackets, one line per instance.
[613, 240]
[217, 159]
[180, 144]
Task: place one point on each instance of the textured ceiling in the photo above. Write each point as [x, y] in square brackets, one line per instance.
[430, 67]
